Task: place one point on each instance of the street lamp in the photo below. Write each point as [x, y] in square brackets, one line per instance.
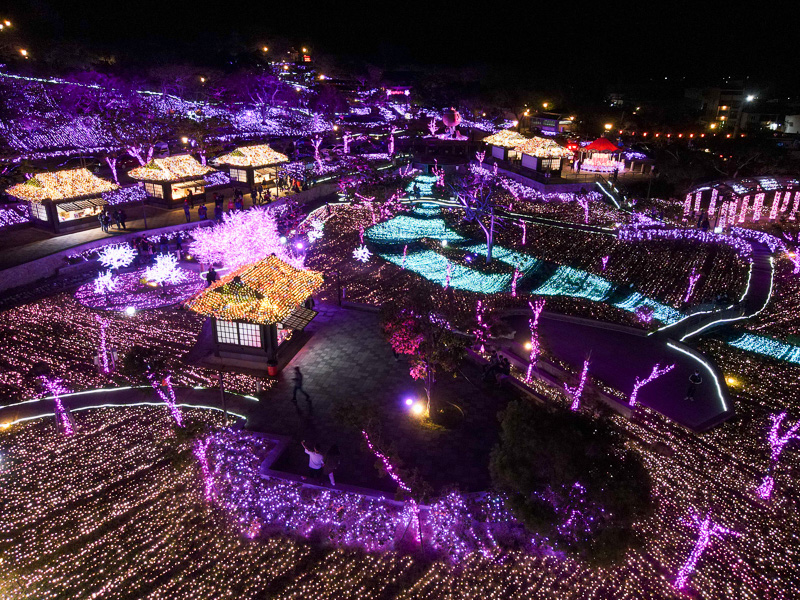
[608, 126]
[265, 49]
[23, 52]
[748, 98]
[545, 104]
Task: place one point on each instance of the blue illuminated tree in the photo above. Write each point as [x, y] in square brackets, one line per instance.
[478, 194]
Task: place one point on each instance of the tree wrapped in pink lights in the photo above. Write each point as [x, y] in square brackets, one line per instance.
[165, 270]
[707, 532]
[435, 348]
[777, 442]
[657, 372]
[243, 237]
[575, 392]
[536, 348]
[56, 388]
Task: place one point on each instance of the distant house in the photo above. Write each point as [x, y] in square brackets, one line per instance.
[170, 179]
[64, 200]
[252, 164]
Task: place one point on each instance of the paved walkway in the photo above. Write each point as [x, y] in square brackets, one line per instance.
[345, 358]
[26, 244]
[619, 357]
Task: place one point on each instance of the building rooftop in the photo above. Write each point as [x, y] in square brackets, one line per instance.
[252, 156]
[264, 292]
[172, 168]
[60, 185]
[505, 139]
[543, 148]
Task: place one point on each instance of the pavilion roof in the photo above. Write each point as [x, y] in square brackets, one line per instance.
[602, 145]
[172, 168]
[264, 292]
[59, 185]
[505, 138]
[543, 148]
[252, 156]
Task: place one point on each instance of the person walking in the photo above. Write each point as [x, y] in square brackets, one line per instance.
[202, 212]
[211, 276]
[163, 244]
[100, 218]
[315, 461]
[695, 379]
[298, 386]
[190, 198]
[115, 216]
[123, 216]
[106, 221]
[332, 460]
[231, 204]
[186, 210]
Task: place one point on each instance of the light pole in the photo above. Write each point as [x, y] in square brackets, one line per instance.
[748, 98]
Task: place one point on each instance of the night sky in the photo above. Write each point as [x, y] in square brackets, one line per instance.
[620, 42]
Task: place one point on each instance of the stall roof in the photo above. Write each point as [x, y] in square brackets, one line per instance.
[543, 148]
[60, 185]
[264, 292]
[602, 145]
[505, 139]
[252, 156]
[172, 168]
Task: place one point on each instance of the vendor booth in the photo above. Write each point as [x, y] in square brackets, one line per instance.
[542, 155]
[169, 180]
[503, 144]
[64, 200]
[602, 156]
[251, 165]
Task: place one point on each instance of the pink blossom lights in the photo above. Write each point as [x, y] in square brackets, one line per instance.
[657, 372]
[102, 350]
[707, 531]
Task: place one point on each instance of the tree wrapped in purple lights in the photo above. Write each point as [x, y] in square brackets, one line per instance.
[657, 372]
[536, 348]
[56, 388]
[575, 393]
[707, 531]
[777, 443]
[116, 256]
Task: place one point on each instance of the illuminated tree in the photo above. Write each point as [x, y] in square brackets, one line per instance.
[413, 325]
[478, 193]
[243, 237]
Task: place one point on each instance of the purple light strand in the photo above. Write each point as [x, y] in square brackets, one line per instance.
[387, 466]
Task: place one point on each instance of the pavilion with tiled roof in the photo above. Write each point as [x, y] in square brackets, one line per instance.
[64, 200]
[255, 309]
[172, 178]
[251, 164]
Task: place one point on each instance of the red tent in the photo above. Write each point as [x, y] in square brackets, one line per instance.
[601, 145]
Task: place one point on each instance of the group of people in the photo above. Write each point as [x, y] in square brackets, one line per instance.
[498, 365]
[261, 193]
[118, 216]
[146, 248]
